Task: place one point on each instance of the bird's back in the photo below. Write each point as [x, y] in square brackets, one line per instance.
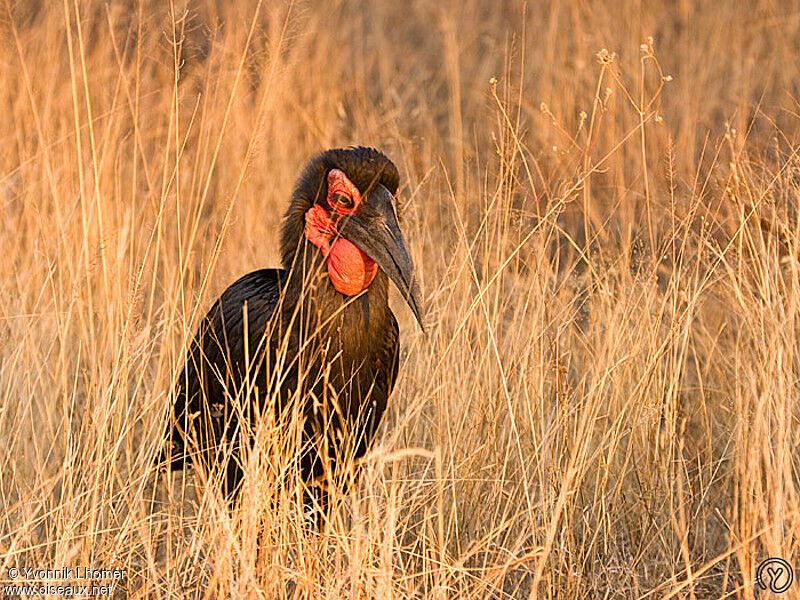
[230, 338]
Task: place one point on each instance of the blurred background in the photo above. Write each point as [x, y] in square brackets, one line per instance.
[601, 198]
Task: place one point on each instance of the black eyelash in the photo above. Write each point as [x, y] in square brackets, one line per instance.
[343, 201]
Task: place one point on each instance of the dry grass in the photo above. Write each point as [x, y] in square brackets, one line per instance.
[606, 402]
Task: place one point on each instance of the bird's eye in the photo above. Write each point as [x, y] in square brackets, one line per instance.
[343, 201]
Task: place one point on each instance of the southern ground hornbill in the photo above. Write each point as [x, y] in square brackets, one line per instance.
[315, 342]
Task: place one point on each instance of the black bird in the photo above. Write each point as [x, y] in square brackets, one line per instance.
[316, 337]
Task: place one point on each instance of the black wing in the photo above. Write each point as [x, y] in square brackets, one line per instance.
[216, 363]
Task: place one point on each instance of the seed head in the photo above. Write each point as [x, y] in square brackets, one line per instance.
[605, 57]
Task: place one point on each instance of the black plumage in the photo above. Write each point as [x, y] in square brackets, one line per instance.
[287, 340]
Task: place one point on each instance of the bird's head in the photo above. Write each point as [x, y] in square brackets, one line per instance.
[343, 210]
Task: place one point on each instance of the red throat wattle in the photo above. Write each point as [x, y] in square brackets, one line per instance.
[350, 269]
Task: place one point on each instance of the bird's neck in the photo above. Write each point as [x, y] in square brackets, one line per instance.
[348, 322]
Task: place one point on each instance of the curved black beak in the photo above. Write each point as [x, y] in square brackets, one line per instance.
[374, 230]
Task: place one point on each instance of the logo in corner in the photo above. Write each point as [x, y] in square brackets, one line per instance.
[775, 575]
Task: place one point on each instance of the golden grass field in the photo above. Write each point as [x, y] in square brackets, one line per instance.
[602, 200]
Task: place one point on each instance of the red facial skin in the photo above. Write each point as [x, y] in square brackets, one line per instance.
[338, 183]
[349, 268]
